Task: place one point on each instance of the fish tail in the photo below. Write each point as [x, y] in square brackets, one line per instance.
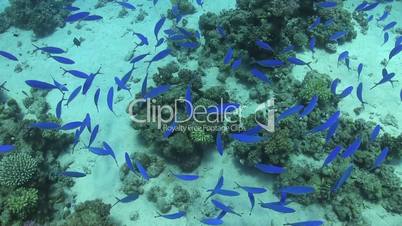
[309, 66]
[37, 48]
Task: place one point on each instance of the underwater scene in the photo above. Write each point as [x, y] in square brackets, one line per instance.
[200, 112]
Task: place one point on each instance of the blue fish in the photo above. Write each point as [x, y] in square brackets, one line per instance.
[228, 56]
[381, 157]
[172, 216]
[158, 26]
[327, 4]
[270, 63]
[359, 70]
[395, 51]
[331, 120]
[71, 125]
[315, 24]
[60, 86]
[307, 223]
[271, 169]
[343, 56]
[264, 45]
[219, 143]
[5, 148]
[371, 6]
[110, 96]
[170, 130]
[129, 198]
[334, 85]
[8, 55]
[63, 60]
[224, 207]
[142, 170]
[251, 198]
[71, 8]
[76, 17]
[225, 192]
[188, 103]
[49, 49]
[352, 148]
[72, 174]
[386, 38]
[122, 85]
[389, 26]
[159, 42]
[87, 122]
[144, 40]
[329, 22]
[332, 155]
[200, 2]
[110, 151]
[297, 190]
[386, 77]
[370, 18]
[398, 41]
[138, 58]
[40, 85]
[236, 64]
[278, 207]
[59, 108]
[297, 61]
[45, 125]
[93, 136]
[126, 5]
[246, 138]
[185, 177]
[374, 133]
[189, 45]
[96, 98]
[75, 73]
[159, 56]
[331, 132]
[221, 31]
[384, 16]
[144, 86]
[346, 92]
[73, 95]
[290, 111]
[212, 221]
[93, 18]
[360, 93]
[129, 163]
[217, 187]
[361, 6]
[260, 75]
[252, 190]
[337, 35]
[99, 151]
[310, 106]
[157, 91]
[346, 174]
[312, 43]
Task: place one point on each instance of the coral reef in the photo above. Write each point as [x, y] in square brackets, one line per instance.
[17, 169]
[91, 213]
[42, 17]
[31, 185]
[22, 202]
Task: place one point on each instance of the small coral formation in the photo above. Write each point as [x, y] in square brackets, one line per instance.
[133, 183]
[17, 169]
[30, 186]
[185, 7]
[42, 17]
[184, 146]
[91, 213]
[22, 202]
[315, 83]
[180, 198]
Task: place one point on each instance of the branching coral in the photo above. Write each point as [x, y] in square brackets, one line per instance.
[42, 17]
[91, 213]
[22, 202]
[17, 169]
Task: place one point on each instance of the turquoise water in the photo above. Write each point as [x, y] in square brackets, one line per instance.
[181, 112]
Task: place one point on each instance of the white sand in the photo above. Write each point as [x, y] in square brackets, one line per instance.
[103, 46]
